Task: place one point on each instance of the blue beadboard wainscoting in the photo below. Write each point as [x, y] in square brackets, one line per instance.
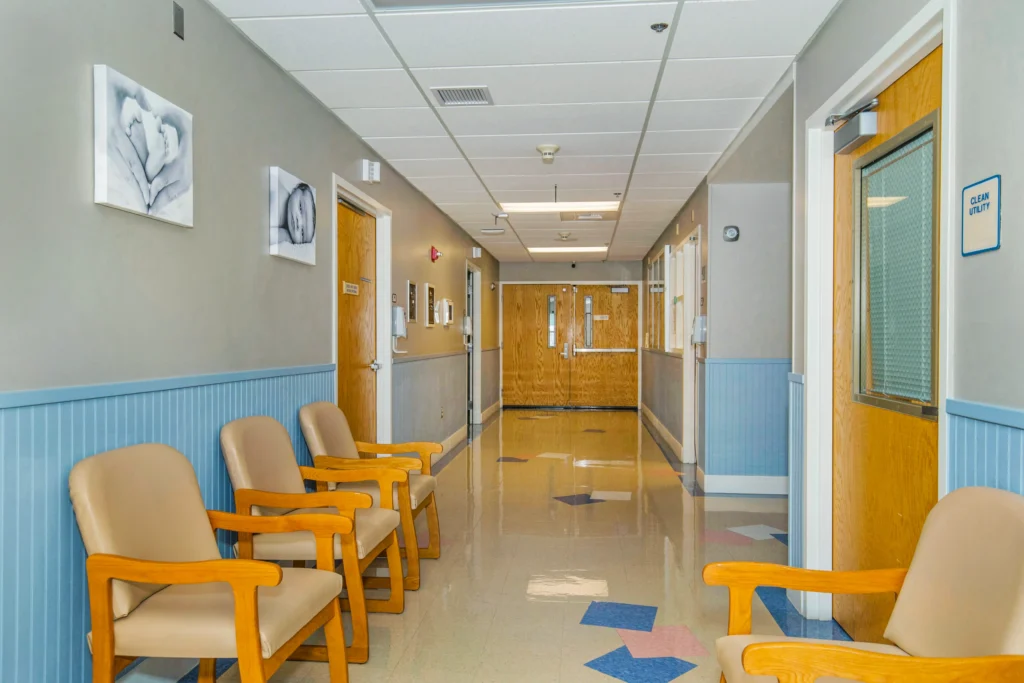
[44, 606]
[746, 425]
[796, 470]
[986, 446]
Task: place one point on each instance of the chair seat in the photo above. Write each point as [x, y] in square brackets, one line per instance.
[420, 486]
[372, 526]
[730, 656]
[199, 620]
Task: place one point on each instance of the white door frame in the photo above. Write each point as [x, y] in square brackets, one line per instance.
[477, 354]
[639, 326]
[931, 27]
[382, 214]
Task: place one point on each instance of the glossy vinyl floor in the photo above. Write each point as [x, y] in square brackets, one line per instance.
[520, 568]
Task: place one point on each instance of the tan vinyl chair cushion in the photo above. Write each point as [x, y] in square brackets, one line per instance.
[199, 621]
[372, 526]
[420, 486]
[141, 502]
[258, 454]
[327, 431]
[730, 656]
[964, 594]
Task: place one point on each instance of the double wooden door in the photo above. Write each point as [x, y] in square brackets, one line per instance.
[570, 346]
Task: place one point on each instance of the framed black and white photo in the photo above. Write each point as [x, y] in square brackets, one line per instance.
[292, 217]
[143, 150]
[431, 313]
[411, 302]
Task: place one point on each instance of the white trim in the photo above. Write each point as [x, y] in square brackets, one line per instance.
[907, 47]
[353, 194]
[451, 442]
[677, 447]
[489, 412]
[726, 483]
[477, 355]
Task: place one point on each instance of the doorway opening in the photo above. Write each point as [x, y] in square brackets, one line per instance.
[474, 345]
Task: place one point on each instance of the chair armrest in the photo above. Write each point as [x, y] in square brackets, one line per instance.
[743, 577]
[321, 524]
[330, 462]
[345, 501]
[422, 448]
[386, 478]
[253, 573]
[806, 662]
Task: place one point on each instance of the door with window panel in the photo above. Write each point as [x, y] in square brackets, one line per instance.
[605, 360]
[536, 344]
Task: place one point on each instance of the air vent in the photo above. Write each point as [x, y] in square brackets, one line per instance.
[463, 96]
[573, 216]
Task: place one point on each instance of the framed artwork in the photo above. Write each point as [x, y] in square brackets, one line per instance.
[431, 312]
[411, 301]
[142, 150]
[292, 217]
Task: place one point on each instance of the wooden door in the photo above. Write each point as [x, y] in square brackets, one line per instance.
[885, 463]
[536, 344]
[605, 361]
[357, 321]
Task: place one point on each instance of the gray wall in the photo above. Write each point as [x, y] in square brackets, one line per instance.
[662, 389]
[749, 280]
[431, 397]
[97, 295]
[988, 325]
[596, 271]
[856, 30]
[490, 380]
[766, 154]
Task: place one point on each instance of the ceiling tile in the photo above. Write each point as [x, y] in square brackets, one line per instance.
[388, 123]
[674, 163]
[237, 9]
[680, 194]
[442, 195]
[700, 79]
[432, 168]
[362, 88]
[547, 195]
[660, 180]
[456, 183]
[567, 166]
[688, 141]
[528, 35]
[307, 43]
[609, 181]
[738, 28]
[702, 114]
[415, 148]
[545, 119]
[552, 83]
[525, 146]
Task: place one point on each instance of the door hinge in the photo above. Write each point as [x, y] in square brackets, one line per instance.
[375, 366]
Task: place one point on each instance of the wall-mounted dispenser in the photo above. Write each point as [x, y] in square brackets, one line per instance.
[700, 330]
[399, 329]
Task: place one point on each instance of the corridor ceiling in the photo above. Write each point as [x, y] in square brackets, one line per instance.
[635, 112]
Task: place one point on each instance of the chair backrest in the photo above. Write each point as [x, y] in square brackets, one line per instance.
[258, 453]
[141, 502]
[964, 593]
[327, 431]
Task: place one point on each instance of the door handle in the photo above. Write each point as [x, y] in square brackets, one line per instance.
[565, 351]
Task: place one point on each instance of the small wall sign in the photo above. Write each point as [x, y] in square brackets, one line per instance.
[600, 317]
[350, 288]
[982, 209]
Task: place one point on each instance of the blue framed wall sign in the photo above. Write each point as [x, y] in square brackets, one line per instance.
[981, 216]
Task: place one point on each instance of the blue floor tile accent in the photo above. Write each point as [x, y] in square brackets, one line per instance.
[623, 666]
[782, 538]
[578, 499]
[222, 667]
[793, 623]
[511, 459]
[620, 615]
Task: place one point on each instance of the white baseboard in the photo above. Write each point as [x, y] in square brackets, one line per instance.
[451, 442]
[663, 431]
[486, 415]
[726, 483]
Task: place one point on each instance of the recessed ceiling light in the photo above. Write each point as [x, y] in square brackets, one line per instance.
[883, 202]
[493, 231]
[567, 250]
[558, 207]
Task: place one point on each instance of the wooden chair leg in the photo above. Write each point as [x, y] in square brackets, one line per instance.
[395, 604]
[335, 636]
[207, 671]
[723, 679]
[433, 549]
[412, 551]
[247, 637]
[359, 651]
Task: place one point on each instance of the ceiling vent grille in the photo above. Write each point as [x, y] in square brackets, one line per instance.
[463, 96]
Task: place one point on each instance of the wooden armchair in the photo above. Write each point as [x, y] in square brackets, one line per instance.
[268, 481]
[959, 614]
[159, 588]
[330, 441]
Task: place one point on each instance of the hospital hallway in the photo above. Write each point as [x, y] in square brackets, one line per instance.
[572, 550]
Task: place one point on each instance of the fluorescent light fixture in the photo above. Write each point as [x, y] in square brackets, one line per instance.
[492, 231]
[558, 207]
[567, 250]
[883, 202]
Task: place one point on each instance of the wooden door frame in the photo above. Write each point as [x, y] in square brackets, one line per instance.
[352, 194]
[933, 26]
[639, 324]
[477, 354]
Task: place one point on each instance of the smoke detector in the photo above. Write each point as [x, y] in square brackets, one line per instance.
[547, 153]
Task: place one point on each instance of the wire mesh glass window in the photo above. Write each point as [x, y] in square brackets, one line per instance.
[896, 223]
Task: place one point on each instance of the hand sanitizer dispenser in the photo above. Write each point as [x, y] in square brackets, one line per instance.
[399, 330]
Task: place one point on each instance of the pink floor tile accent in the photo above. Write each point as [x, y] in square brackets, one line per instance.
[663, 641]
[726, 538]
